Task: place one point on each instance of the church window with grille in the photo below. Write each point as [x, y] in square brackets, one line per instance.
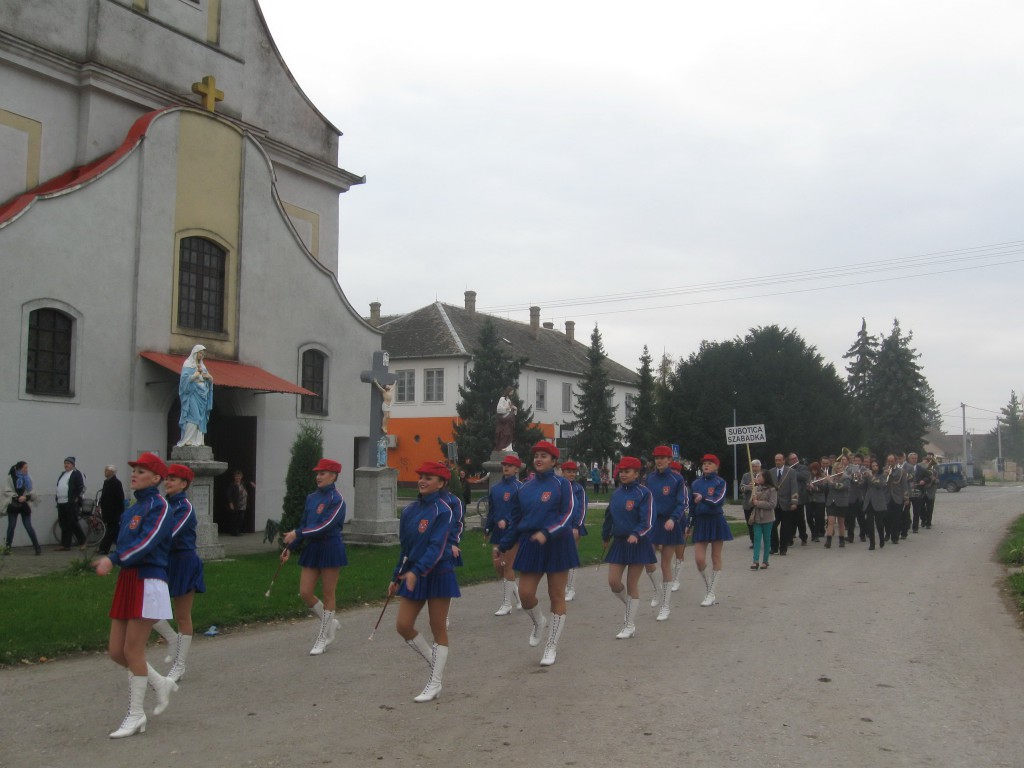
[201, 270]
[50, 336]
[314, 378]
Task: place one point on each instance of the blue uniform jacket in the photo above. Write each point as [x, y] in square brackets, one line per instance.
[499, 506]
[712, 490]
[458, 516]
[323, 516]
[144, 537]
[183, 534]
[546, 503]
[424, 533]
[630, 512]
[671, 497]
[580, 504]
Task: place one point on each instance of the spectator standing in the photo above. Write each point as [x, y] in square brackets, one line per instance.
[238, 503]
[111, 506]
[17, 500]
[70, 487]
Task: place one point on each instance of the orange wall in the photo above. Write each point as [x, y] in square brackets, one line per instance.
[411, 452]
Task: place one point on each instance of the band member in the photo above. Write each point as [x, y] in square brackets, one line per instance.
[324, 554]
[838, 502]
[874, 503]
[817, 495]
[499, 518]
[542, 515]
[919, 478]
[570, 471]
[627, 522]
[671, 507]
[898, 498]
[709, 524]
[425, 573]
[929, 489]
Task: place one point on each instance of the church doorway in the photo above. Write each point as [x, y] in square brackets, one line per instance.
[233, 439]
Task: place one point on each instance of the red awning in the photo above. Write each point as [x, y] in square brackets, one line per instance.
[230, 374]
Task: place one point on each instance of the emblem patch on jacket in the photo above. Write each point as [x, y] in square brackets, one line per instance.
[546, 496]
[135, 523]
[320, 509]
[629, 505]
[665, 490]
[424, 524]
[507, 496]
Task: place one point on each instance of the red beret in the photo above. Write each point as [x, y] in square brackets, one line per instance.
[712, 458]
[545, 446]
[572, 466]
[434, 468]
[152, 462]
[629, 462]
[676, 466]
[328, 465]
[662, 450]
[180, 470]
[512, 460]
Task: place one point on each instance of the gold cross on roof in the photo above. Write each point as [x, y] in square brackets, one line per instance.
[207, 89]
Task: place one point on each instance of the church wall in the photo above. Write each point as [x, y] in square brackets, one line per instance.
[33, 21]
[319, 199]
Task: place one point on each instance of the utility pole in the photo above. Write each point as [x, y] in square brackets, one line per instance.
[963, 416]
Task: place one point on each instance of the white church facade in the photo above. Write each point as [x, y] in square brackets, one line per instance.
[164, 182]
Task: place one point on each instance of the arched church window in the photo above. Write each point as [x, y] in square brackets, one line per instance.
[314, 378]
[48, 367]
[201, 269]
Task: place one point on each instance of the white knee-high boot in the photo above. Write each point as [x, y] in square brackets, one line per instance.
[557, 624]
[439, 656]
[323, 637]
[178, 668]
[676, 567]
[164, 629]
[332, 627]
[539, 623]
[422, 647]
[709, 599]
[666, 596]
[163, 686]
[135, 721]
[655, 577]
[505, 608]
[629, 620]
[570, 591]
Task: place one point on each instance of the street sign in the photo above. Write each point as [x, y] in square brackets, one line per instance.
[675, 450]
[753, 433]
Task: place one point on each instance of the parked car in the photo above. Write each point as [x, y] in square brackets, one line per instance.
[951, 476]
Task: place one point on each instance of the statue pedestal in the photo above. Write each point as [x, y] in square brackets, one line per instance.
[199, 458]
[493, 466]
[374, 517]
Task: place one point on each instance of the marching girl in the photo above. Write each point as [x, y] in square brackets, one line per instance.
[680, 553]
[184, 569]
[874, 503]
[324, 553]
[671, 506]
[542, 516]
[838, 502]
[426, 573]
[709, 525]
[627, 522]
[140, 597]
[570, 471]
[763, 500]
[458, 525]
[817, 495]
[499, 518]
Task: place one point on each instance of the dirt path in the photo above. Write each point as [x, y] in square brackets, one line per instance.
[901, 657]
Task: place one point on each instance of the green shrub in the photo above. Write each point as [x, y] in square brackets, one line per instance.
[307, 450]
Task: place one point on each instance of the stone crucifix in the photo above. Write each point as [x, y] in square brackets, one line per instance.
[381, 396]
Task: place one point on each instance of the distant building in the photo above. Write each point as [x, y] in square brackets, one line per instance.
[138, 217]
[431, 353]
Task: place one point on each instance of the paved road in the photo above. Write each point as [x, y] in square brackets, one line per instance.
[906, 656]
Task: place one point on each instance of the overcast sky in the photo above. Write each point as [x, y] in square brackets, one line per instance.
[804, 164]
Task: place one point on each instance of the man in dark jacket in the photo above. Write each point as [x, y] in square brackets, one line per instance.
[111, 507]
[70, 487]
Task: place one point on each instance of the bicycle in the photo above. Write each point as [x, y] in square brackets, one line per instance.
[477, 517]
[89, 523]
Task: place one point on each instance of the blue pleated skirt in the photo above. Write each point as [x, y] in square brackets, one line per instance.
[659, 535]
[623, 553]
[711, 528]
[323, 553]
[185, 573]
[434, 584]
[554, 556]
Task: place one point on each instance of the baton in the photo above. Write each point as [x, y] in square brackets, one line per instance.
[388, 600]
[267, 593]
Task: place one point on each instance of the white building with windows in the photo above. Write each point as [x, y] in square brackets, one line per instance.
[165, 182]
[431, 352]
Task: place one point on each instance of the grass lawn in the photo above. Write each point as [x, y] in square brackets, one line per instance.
[46, 617]
[1011, 552]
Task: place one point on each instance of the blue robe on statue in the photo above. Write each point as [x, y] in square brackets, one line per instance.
[196, 400]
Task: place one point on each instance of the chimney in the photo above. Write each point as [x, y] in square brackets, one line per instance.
[534, 321]
[471, 302]
[375, 314]
[570, 330]
[549, 325]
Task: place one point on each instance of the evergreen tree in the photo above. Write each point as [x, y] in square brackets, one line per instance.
[641, 432]
[597, 437]
[863, 357]
[492, 371]
[1012, 430]
[307, 450]
[900, 403]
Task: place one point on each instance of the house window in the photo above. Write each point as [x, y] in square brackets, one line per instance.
[405, 387]
[314, 378]
[433, 385]
[567, 398]
[630, 406]
[48, 369]
[201, 268]
[542, 394]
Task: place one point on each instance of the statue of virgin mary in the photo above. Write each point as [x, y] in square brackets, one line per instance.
[195, 390]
